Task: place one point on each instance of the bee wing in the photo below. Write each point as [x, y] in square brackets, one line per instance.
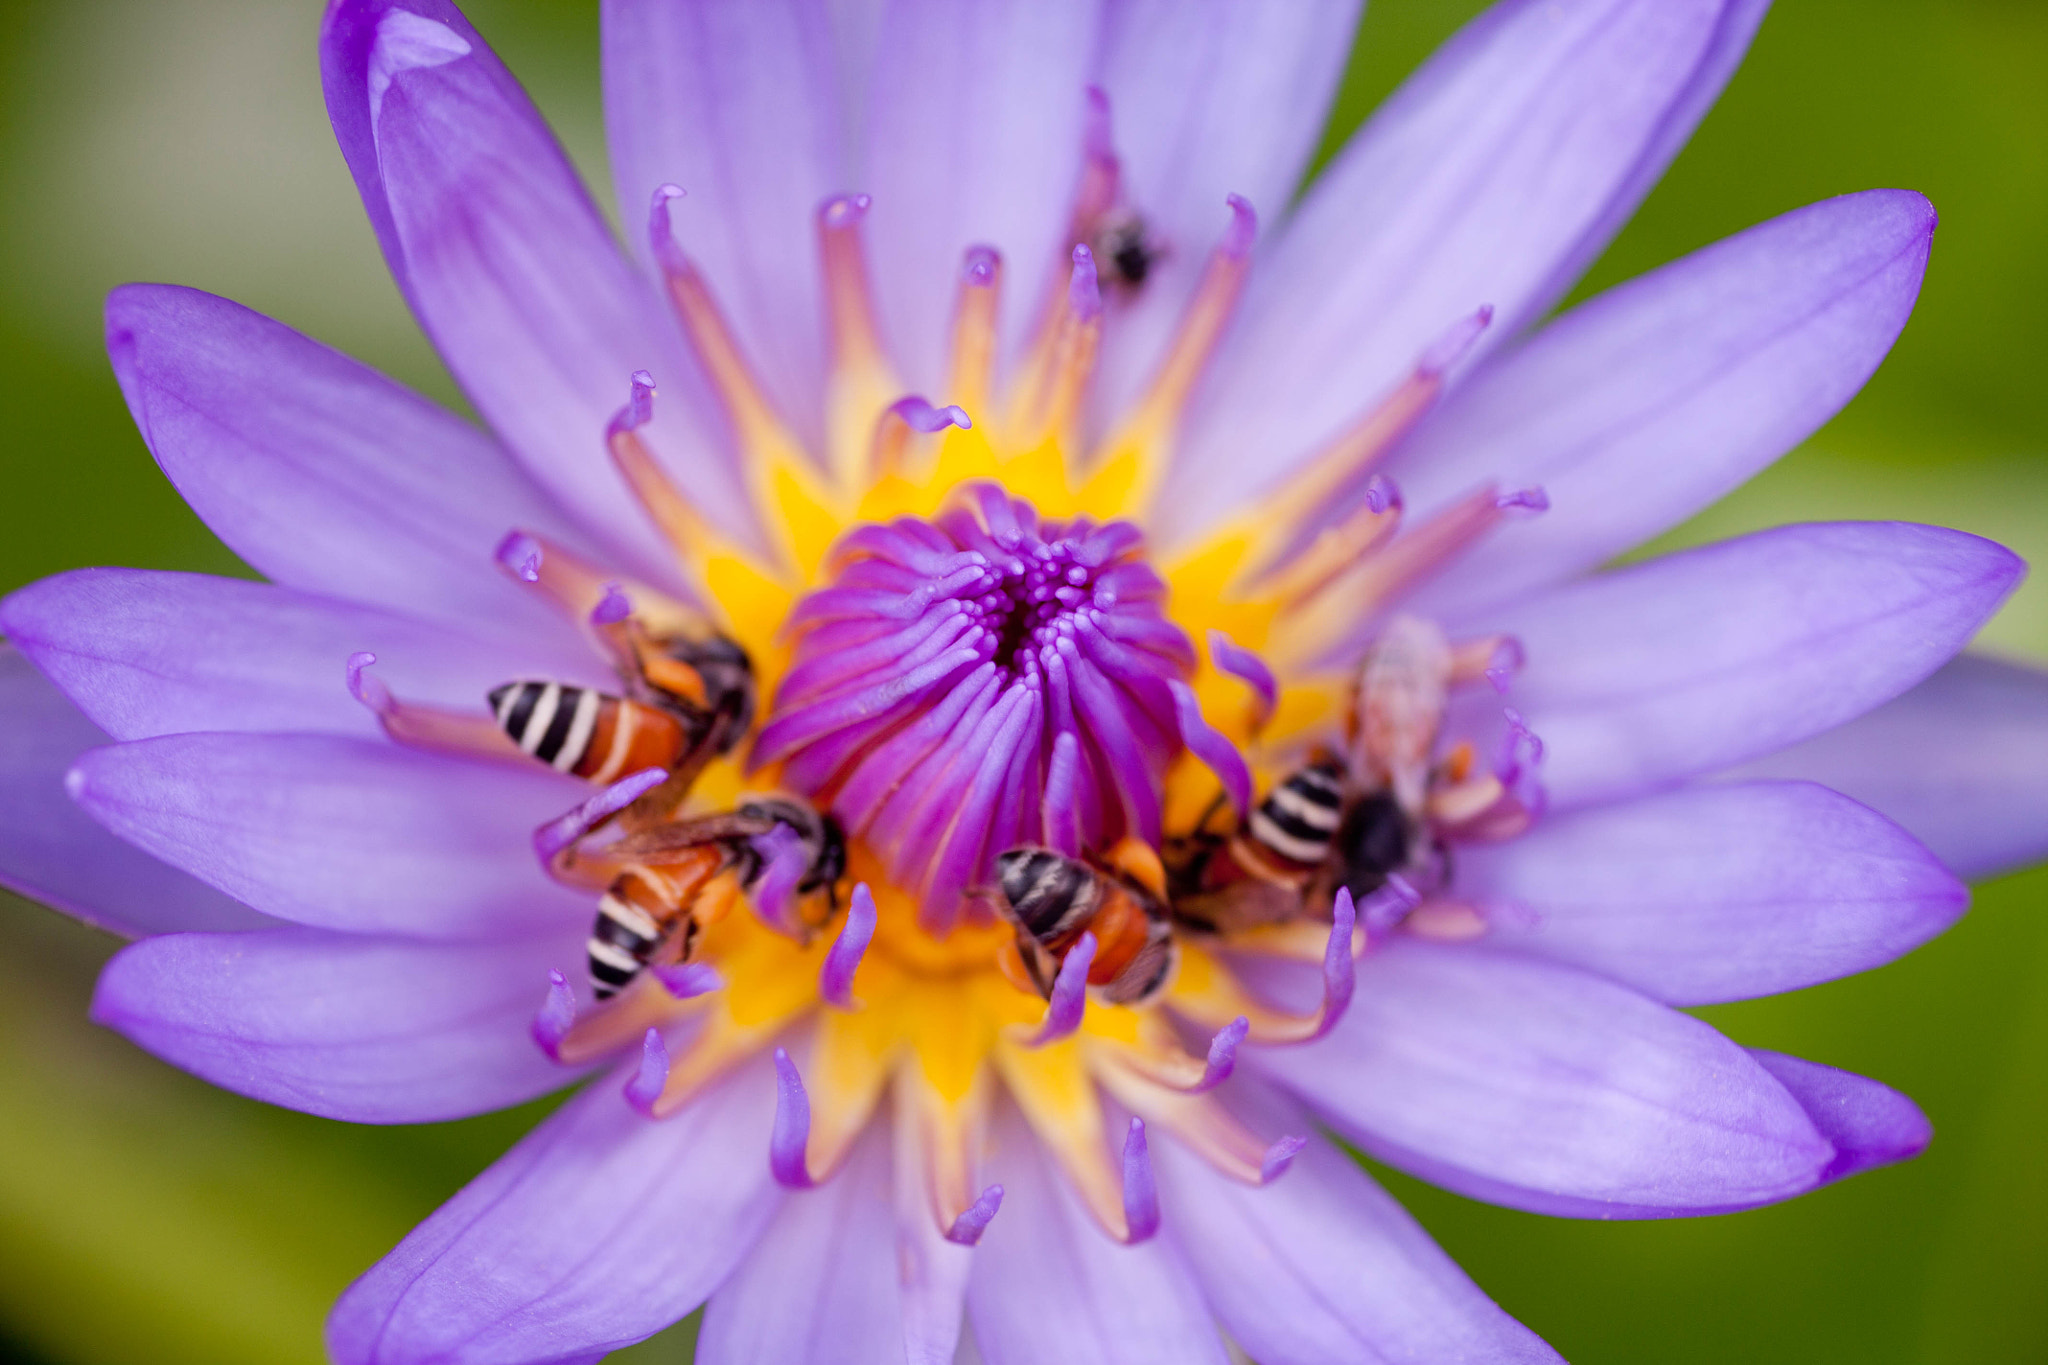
[683, 836]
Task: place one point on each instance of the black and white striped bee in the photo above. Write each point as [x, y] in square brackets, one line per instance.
[694, 700]
[1348, 820]
[1052, 900]
[683, 876]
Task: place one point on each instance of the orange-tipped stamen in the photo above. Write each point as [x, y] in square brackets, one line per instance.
[1283, 514]
[1136, 454]
[971, 374]
[860, 379]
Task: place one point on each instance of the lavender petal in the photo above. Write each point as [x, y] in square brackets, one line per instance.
[575, 1230]
[1960, 760]
[322, 473]
[1545, 1088]
[339, 833]
[510, 267]
[1645, 676]
[369, 1030]
[1716, 893]
[1641, 407]
[52, 851]
[1487, 179]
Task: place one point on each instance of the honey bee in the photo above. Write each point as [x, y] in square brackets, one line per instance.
[682, 877]
[692, 702]
[1052, 900]
[1349, 820]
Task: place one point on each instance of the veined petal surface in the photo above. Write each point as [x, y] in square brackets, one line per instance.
[341, 833]
[370, 1030]
[1961, 760]
[740, 103]
[1645, 676]
[319, 471]
[145, 653]
[510, 267]
[1546, 1088]
[1715, 893]
[598, 1230]
[1500, 164]
[1644, 405]
[54, 852]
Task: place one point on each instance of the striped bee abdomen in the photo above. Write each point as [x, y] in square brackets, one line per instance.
[589, 733]
[627, 930]
[1047, 895]
[1298, 819]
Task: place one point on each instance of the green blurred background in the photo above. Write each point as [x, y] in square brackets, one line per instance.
[146, 1217]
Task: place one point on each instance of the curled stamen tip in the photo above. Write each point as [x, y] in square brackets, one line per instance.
[557, 834]
[1141, 1189]
[981, 265]
[1382, 494]
[1084, 293]
[1508, 659]
[364, 688]
[968, 1227]
[612, 608]
[639, 409]
[1069, 994]
[920, 416]
[1450, 348]
[1222, 1054]
[1279, 1157]
[688, 980]
[661, 231]
[520, 555]
[1532, 499]
[1248, 668]
[557, 1016]
[844, 210]
[835, 978]
[652, 1077]
[791, 1133]
[1243, 229]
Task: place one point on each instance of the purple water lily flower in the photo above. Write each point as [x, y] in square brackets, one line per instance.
[1030, 698]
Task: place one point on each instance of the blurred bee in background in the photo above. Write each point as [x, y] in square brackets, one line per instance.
[1348, 819]
[1124, 253]
[1052, 900]
[676, 879]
